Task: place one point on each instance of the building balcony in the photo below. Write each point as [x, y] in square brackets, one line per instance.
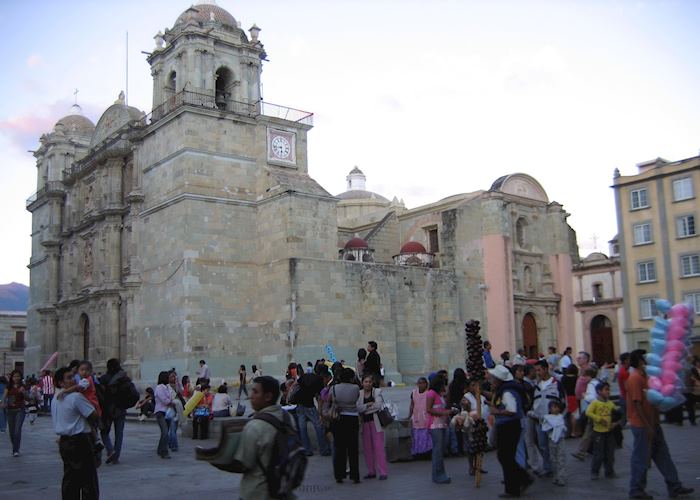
[222, 103]
[50, 188]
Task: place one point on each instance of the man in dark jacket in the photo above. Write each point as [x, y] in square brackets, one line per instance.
[373, 362]
[113, 384]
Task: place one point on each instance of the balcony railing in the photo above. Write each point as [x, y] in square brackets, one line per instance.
[221, 103]
[50, 187]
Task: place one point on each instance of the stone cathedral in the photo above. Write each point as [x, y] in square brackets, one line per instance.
[195, 231]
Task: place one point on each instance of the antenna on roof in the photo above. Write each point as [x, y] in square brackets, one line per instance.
[76, 96]
[126, 95]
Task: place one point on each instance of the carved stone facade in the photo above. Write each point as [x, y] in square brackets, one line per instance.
[196, 232]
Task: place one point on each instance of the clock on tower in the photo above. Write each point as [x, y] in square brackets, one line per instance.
[281, 146]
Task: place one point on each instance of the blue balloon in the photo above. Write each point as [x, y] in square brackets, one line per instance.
[658, 333]
[658, 346]
[659, 322]
[652, 359]
[654, 397]
[670, 402]
[663, 306]
[653, 371]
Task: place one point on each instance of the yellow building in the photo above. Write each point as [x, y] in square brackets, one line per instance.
[657, 214]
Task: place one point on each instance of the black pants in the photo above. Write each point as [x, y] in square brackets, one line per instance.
[603, 453]
[346, 433]
[690, 400]
[79, 468]
[507, 437]
[200, 428]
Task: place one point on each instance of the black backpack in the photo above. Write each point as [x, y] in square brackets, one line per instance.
[127, 395]
[287, 466]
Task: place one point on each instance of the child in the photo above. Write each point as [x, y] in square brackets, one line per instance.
[33, 401]
[555, 427]
[600, 412]
[86, 386]
[202, 414]
[463, 421]
[146, 405]
[421, 443]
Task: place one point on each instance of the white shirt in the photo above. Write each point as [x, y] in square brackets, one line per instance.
[204, 372]
[69, 414]
[564, 362]
[221, 402]
[472, 401]
[509, 402]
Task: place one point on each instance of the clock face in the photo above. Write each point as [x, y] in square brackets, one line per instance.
[281, 147]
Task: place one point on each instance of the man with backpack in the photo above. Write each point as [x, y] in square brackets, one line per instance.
[273, 463]
[117, 393]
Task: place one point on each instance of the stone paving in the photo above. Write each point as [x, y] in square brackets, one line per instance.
[37, 473]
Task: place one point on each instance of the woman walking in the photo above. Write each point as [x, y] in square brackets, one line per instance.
[346, 429]
[174, 412]
[163, 402]
[369, 403]
[417, 414]
[438, 420]
[13, 400]
[241, 380]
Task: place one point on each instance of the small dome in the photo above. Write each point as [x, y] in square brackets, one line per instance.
[356, 242]
[358, 194]
[595, 256]
[413, 247]
[76, 123]
[202, 13]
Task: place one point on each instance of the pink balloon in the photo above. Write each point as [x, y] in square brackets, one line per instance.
[655, 383]
[680, 311]
[671, 366]
[668, 389]
[675, 345]
[676, 334]
[669, 378]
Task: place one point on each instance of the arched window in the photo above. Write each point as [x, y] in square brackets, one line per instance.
[224, 82]
[521, 232]
[172, 81]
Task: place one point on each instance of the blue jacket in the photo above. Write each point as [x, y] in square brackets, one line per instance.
[517, 391]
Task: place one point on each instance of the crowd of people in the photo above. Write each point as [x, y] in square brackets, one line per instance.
[529, 406]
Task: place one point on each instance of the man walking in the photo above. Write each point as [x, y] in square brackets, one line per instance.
[310, 388]
[256, 447]
[373, 363]
[115, 385]
[47, 389]
[70, 417]
[649, 441]
[204, 372]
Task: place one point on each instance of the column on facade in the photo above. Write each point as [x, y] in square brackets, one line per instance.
[112, 323]
[114, 167]
[53, 273]
[113, 245]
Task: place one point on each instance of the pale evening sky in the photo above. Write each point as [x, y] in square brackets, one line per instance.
[429, 99]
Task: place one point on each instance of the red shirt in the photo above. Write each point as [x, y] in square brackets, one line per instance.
[622, 376]
[91, 395]
[636, 391]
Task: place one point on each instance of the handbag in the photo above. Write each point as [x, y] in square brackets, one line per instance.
[385, 417]
[201, 411]
[332, 414]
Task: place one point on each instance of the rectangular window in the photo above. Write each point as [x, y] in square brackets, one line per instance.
[690, 265]
[642, 233]
[597, 291]
[434, 240]
[682, 189]
[694, 300]
[638, 198]
[647, 308]
[646, 272]
[685, 226]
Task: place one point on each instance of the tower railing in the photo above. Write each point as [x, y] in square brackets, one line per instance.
[49, 187]
[225, 105]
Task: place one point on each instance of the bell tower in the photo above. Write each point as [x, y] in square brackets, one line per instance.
[208, 55]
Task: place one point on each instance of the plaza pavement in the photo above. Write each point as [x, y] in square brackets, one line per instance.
[37, 473]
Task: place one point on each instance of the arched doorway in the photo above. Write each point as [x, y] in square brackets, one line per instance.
[85, 332]
[602, 340]
[529, 329]
[224, 82]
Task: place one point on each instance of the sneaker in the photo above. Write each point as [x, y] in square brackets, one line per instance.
[166, 457]
[383, 478]
[558, 483]
[370, 476]
[447, 480]
[681, 492]
[15, 453]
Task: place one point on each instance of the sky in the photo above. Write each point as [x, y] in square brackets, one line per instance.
[429, 99]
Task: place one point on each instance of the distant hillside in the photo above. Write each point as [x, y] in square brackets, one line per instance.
[14, 297]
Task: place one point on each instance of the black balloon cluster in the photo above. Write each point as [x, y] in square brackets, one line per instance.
[475, 351]
[478, 436]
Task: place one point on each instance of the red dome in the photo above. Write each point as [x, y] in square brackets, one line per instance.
[413, 247]
[356, 243]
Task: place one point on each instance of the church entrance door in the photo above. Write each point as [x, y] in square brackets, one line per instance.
[529, 329]
[602, 340]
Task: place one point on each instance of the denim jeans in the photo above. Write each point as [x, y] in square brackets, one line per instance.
[172, 433]
[118, 422]
[15, 419]
[311, 414]
[543, 445]
[163, 440]
[47, 401]
[520, 452]
[659, 454]
[440, 440]
[3, 419]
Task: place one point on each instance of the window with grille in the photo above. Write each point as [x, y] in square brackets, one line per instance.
[682, 189]
[646, 272]
[690, 265]
[685, 226]
[639, 199]
[693, 299]
[642, 233]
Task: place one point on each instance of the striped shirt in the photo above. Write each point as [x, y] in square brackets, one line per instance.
[47, 384]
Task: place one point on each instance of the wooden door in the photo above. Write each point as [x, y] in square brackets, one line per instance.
[602, 340]
[529, 329]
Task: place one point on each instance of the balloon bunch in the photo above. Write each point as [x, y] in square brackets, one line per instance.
[331, 354]
[669, 348]
[478, 436]
[475, 351]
